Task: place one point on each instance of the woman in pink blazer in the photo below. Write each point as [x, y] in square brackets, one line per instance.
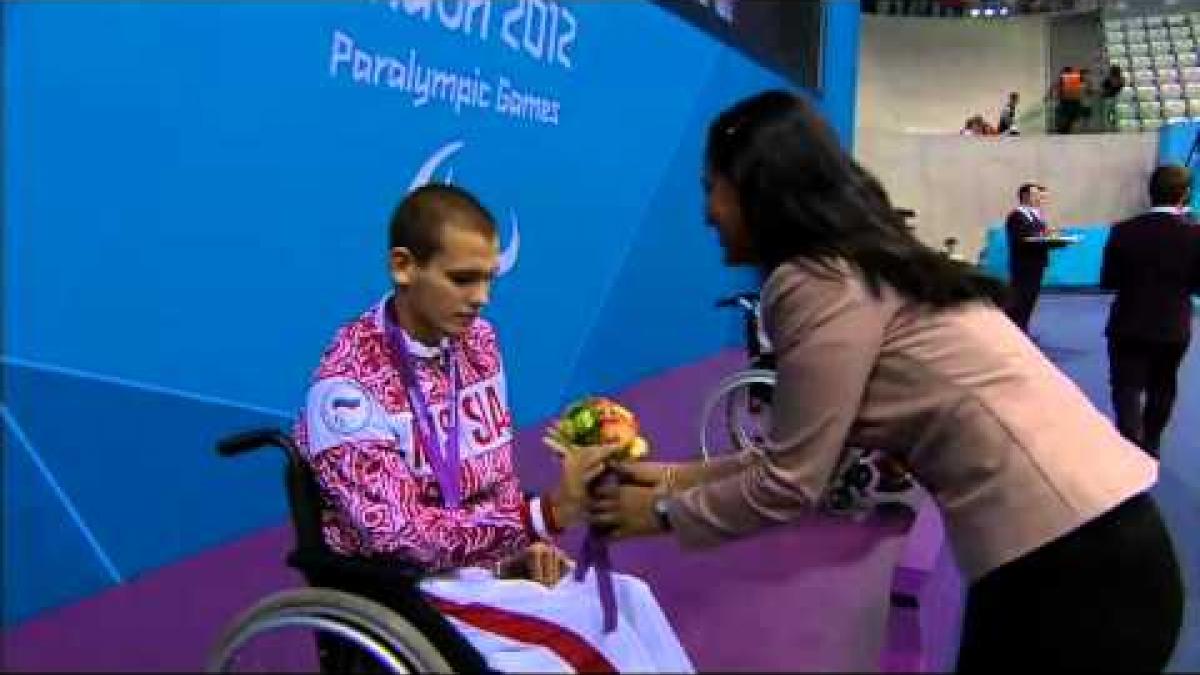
[884, 343]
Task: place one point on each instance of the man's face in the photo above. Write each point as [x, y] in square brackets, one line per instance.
[445, 294]
[1039, 197]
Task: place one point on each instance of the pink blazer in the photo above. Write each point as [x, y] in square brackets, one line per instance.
[1013, 452]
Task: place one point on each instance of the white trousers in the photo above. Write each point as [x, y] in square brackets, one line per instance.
[523, 626]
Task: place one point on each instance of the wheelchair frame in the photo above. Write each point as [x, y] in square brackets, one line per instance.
[857, 472]
[758, 379]
[374, 604]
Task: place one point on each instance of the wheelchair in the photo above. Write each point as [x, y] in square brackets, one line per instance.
[736, 417]
[739, 407]
[369, 614]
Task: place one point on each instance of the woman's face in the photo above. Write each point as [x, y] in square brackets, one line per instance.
[724, 212]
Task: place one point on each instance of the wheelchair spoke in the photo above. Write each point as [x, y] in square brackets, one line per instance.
[356, 635]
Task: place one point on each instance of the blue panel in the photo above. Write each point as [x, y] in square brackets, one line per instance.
[197, 196]
[839, 72]
[1077, 265]
[142, 470]
[46, 560]
[228, 196]
[666, 280]
[1175, 143]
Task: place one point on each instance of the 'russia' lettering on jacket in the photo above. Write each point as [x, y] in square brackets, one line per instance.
[360, 434]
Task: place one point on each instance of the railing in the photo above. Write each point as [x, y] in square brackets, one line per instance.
[995, 9]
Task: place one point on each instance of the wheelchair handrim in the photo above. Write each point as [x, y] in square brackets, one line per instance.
[327, 604]
[728, 386]
[300, 618]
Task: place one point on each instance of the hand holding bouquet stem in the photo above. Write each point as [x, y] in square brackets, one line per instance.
[600, 430]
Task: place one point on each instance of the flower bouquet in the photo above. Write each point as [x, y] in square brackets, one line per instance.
[596, 420]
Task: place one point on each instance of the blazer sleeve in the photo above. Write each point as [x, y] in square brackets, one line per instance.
[1019, 226]
[828, 333]
[1012, 228]
[1194, 233]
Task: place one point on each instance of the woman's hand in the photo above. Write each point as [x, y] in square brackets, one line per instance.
[625, 510]
[541, 562]
[581, 464]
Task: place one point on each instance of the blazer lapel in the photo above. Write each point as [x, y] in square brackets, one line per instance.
[1039, 225]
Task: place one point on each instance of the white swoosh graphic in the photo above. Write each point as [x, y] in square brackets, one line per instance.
[425, 173]
[508, 257]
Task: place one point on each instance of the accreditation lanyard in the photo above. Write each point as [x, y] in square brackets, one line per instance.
[445, 463]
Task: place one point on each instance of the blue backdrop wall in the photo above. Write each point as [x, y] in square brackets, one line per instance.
[196, 197]
[1175, 142]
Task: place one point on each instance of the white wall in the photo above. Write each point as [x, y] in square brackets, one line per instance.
[960, 185]
[920, 78]
[929, 75]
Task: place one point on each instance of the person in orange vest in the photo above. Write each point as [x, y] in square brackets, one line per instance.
[1068, 89]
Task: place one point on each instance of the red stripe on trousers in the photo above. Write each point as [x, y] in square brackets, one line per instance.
[579, 653]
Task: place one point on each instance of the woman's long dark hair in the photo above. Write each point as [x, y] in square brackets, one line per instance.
[801, 195]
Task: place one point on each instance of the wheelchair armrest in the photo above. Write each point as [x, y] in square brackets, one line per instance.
[317, 563]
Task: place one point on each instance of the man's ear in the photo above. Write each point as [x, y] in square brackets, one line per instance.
[403, 265]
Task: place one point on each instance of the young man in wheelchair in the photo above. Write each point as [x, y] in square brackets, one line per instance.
[408, 431]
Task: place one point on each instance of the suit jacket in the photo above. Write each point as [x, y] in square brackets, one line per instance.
[1152, 261]
[1024, 256]
[1013, 452]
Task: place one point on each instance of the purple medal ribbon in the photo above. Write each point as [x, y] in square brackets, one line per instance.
[445, 464]
[595, 553]
[446, 467]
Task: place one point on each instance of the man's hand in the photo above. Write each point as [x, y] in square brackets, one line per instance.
[580, 465]
[541, 562]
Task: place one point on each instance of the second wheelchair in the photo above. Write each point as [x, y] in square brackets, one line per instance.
[736, 417]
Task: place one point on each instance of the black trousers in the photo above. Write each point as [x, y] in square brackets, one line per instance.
[1066, 115]
[1026, 283]
[1106, 597]
[1142, 377]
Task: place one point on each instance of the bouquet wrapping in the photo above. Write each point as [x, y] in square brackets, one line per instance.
[593, 421]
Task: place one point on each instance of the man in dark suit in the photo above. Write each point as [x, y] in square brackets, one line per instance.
[1152, 261]
[1026, 260]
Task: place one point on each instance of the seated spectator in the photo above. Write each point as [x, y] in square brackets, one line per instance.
[977, 126]
[950, 249]
[1068, 90]
[1007, 124]
[1110, 89]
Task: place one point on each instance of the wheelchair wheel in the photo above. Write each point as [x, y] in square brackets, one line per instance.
[367, 636]
[737, 415]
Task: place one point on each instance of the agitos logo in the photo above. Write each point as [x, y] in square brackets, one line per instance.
[425, 174]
